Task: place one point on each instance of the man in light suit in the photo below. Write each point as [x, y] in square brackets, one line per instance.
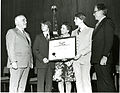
[102, 43]
[44, 67]
[81, 64]
[19, 55]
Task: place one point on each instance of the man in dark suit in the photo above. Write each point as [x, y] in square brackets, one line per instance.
[102, 42]
[19, 55]
[44, 67]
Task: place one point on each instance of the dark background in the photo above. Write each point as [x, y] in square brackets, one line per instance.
[38, 10]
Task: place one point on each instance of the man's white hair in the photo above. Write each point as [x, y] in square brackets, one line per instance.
[17, 18]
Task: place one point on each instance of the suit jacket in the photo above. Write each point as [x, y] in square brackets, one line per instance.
[40, 50]
[102, 41]
[83, 43]
[18, 48]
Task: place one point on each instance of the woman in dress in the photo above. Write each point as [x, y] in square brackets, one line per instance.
[63, 69]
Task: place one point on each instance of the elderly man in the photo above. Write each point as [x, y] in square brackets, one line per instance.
[102, 43]
[19, 55]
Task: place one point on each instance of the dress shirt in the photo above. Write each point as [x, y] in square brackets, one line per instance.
[21, 30]
[99, 21]
[46, 34]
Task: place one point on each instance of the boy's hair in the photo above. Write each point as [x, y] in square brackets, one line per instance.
[48, 23]
[81, 15]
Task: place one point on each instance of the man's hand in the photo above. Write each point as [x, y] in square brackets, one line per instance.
[31, 66]
[14, 65]
[45, 60]
[103, 60]
[117, 68]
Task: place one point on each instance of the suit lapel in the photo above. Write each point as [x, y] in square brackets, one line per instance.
[21, 35]
[98, 27]
[43, 37]
[28, 38]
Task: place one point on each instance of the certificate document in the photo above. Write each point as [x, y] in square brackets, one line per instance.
[62, 48]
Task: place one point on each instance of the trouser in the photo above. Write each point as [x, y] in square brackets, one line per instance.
[105, 79]
[44, 76]
[82, 75]
[18, 79]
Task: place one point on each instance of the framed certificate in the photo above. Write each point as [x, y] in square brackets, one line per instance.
[62, 48]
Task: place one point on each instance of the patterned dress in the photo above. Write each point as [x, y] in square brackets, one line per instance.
[63, 72]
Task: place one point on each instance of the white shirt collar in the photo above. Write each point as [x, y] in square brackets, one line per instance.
[46, 32]
[101, 19]
[20, 29]
[82, 27]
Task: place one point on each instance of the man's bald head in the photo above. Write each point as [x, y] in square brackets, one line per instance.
[21, 21]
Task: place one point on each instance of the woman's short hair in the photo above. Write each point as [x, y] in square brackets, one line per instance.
[69, 27]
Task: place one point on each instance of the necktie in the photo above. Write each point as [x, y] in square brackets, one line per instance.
[47, 37]
[78, 31]
[26, 36]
